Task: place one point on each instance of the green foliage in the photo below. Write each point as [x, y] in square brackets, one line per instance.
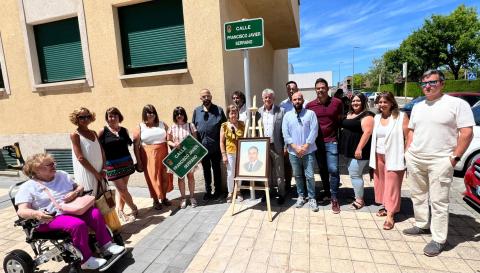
[414, 89]
[451, 42]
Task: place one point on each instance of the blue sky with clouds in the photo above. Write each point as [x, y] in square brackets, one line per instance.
[330, 29]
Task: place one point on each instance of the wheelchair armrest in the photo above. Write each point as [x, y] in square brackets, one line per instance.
[27, 223]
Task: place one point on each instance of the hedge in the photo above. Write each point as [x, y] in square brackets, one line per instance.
[414, 90]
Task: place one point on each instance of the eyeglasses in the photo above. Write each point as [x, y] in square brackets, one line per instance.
[431, 83]
[85, 117]
[50, 165]
[205, 116]
[150, 113]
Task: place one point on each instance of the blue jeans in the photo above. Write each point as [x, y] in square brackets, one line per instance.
[327, 158]
[301, 166]
[355, 170]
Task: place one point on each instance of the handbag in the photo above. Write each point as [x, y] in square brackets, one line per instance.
[105, 200]
[76, 207]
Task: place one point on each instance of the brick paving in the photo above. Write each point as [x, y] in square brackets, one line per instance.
[208, 239]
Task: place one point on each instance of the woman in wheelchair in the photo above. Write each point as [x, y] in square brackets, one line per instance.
[34, 203]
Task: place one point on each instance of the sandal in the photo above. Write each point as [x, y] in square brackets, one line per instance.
[388, 225]
[357, 205]
[166, 202]
[382, 212]
[135, 212]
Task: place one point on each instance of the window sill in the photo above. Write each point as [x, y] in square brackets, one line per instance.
[61, 85]
[2, 90]
[153, 74]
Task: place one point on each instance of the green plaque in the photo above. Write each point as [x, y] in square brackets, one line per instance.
[244, 34]
[183, 158]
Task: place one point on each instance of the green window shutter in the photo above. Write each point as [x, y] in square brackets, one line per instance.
[63, 158]
[153, 36]
[59, 51]
[2, 84]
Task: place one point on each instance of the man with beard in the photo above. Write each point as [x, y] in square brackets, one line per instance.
[329, 112]
[208, 118]
[300, 129]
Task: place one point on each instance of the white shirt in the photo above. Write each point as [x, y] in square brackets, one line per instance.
[436, 124]
[32, 192]
[381, 134]
[268, 119]
[242, 114]
[153, 135]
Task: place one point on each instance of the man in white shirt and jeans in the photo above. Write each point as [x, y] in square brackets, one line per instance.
[441, 128]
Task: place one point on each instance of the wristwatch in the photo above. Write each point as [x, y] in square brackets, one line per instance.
[455, 158]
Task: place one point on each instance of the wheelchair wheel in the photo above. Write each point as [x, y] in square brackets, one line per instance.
[18, 261]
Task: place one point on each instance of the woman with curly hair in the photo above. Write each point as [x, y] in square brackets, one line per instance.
[88, 158]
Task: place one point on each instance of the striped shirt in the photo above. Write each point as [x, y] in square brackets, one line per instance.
[180, 132]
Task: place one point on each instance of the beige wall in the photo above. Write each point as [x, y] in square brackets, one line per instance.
[268, 67]
[39, 120]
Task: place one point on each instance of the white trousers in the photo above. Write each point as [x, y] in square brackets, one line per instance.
[430, 179]
[230, 171]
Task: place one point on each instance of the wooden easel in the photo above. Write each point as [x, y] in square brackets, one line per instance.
[251, 131]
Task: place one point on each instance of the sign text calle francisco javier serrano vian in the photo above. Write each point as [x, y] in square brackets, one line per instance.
[244, 34]
[183, 158]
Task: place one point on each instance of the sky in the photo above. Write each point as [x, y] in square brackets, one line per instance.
[329, 31]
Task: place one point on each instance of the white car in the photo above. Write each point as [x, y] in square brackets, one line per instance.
[473, 151]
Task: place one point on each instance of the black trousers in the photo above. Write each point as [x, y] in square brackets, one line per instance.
[211, 162]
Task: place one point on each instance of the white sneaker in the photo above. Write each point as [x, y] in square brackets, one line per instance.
[183, 204]
[93, 263]
[193, 202]
[112, 249]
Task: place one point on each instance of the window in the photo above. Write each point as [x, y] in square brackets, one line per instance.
[59, 51]
[2, 84]
[153, 36]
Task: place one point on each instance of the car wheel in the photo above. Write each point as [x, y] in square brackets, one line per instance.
[471, 160]
[18, 261]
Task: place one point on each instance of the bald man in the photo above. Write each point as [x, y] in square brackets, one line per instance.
[207, 118]
[300, 129]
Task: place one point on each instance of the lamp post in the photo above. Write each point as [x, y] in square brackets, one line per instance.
[339, 77]
[353, 65]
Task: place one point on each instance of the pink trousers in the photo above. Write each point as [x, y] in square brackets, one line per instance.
[77, 227]
[387, 185]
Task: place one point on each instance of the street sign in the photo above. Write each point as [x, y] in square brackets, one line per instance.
[472, 76]
[183, 158]
[243, 34]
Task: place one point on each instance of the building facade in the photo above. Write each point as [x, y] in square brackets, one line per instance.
[58, 55]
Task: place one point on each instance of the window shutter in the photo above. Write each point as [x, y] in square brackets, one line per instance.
[59, 51]
[153, 36]
[63, 158]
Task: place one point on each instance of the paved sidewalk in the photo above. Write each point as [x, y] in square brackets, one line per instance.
[209, 239]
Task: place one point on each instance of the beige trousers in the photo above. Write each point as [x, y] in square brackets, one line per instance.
[430, 179]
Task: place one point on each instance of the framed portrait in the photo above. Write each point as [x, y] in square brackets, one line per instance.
[253, 158]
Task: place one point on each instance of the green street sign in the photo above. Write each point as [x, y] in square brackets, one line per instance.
[183, 158]
[243, 34]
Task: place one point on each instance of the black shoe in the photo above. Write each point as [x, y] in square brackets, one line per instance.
[433, 248]
[217, 196]
[414, 231]
[207, 196]
[280, 200]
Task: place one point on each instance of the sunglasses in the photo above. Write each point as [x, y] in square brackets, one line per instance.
[150, 113]
[85, 117]
[299, 120]
[205, 116]
[50, 165]
[431, 83]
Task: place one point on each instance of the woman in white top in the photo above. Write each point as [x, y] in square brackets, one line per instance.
[150, 147]
[88, 158]
[387, 156]
[180, 129]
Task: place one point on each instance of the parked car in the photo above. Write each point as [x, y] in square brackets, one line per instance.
[472, 186]
[470, 97]
[373, 97]
[472, 154]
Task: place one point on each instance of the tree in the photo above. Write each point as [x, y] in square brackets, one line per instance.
[451, 41]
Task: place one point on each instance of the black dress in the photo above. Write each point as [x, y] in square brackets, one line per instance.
[119, 162]
[351, 135]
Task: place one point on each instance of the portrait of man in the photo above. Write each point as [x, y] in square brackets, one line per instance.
[253, 164]
[252, 157]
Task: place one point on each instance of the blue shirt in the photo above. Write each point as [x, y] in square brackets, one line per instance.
[300, 128]
[208, 126]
